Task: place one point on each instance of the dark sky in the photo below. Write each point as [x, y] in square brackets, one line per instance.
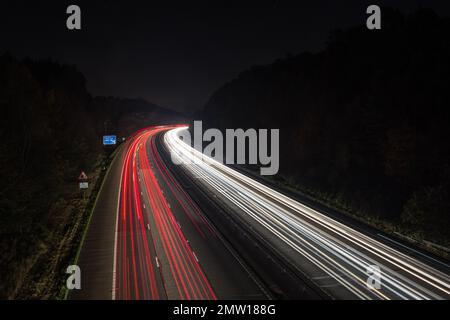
[172, 53]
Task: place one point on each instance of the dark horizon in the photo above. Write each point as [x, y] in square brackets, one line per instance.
[177, 57]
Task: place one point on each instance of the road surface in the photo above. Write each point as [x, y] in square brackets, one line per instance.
[201, 230]
[343, 262]
[162, 246]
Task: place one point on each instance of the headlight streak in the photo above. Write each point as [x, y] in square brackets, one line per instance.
[315, 236]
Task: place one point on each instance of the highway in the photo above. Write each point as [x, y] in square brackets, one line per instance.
[164, 246]
[202, 230]
[327, 253]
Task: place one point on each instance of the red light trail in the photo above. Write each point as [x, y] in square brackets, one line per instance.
[153, 258]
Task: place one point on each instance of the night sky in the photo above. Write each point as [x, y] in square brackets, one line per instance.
[176, 54]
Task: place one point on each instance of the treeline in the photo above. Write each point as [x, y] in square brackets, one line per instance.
[123, 116]
[50, 130]
[363, 123]
[47, 137]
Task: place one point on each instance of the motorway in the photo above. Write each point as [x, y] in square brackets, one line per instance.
[201, 230]
[334, 257]
[165, 248]
[155, 243]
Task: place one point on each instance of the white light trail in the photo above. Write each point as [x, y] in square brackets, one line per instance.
[333, 248]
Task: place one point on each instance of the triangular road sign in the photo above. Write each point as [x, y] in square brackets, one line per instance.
[82, 176]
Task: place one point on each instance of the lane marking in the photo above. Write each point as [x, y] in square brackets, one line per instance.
[114, 281]
[195, 256]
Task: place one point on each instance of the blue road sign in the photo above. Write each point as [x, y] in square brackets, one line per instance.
[109, 140]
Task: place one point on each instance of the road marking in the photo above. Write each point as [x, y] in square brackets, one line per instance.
[148, 226]
[114, 289]
[157, 262]
[195, 256]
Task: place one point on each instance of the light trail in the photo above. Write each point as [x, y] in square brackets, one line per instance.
[330, 248]
[153, 259]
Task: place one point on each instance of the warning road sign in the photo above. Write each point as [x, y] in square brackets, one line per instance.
[82, 176]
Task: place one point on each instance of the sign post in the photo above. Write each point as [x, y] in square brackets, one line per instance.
[83, 183]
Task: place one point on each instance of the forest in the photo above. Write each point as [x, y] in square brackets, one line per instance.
[364, 123]
[50, 130]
